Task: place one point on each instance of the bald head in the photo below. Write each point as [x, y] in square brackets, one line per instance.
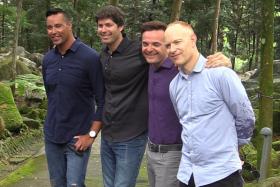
[180, 41]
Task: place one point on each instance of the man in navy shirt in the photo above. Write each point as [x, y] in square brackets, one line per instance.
[73, 81]
[164, 144]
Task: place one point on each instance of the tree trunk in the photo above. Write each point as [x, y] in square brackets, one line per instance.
[136, 24]
[114, 2]
[253, 51]
[14, 53]
[2, 35]
[176, 9]
[215, 27]
[266, 72]
[78, 19]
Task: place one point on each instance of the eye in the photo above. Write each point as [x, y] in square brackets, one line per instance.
[167, 46]
[157, 44]
[144, 44]
[49, 27]
[108, 25]
[177, 42]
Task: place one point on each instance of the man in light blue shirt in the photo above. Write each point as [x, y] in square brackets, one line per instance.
[214, 110]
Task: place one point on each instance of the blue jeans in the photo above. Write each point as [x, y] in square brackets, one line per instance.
[67, 167]
[121, 161]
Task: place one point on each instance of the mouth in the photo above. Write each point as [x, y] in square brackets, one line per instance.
[150, 54]
[104, 36]
[55, 38]
[174, 55]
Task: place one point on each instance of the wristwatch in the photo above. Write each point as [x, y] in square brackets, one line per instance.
[92, 134]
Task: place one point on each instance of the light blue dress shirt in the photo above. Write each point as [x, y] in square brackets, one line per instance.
[216, 116]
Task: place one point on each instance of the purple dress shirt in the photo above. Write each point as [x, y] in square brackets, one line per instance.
[164, 126]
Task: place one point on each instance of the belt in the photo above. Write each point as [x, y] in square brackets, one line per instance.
[159, 148]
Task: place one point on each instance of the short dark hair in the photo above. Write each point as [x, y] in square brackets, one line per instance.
[54, 11]
[153, 25]
[112, 12]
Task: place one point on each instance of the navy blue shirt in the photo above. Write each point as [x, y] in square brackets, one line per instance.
[75, 91]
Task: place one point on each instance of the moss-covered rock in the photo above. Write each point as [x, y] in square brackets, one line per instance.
[31, 87]
[32, 123]
[249, 153]
[6, 68]
[9, 111]
[44, 104]
[275, 159]
[35, 114]
[276, 145]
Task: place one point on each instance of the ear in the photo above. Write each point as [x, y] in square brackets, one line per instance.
[193, 39]
[69, 24]
[121, 28]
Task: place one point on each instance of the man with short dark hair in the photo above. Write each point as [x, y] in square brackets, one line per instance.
[73, 81]
[124, 132]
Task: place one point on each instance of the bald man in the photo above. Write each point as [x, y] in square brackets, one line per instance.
[214, 110]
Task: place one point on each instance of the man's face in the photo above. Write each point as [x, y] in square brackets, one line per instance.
[180, 42]
[153, 47]
[59, 30]
[108, 31]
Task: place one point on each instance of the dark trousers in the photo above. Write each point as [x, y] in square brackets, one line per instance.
[233, 180]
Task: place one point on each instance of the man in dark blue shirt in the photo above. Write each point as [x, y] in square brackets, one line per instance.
[74, 85]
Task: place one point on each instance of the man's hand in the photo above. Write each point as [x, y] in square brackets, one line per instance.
[83, 142]
[217, 60]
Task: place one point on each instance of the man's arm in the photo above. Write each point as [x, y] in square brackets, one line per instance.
[96, 78]
[239, 104]
[218, 59]
[85, 141]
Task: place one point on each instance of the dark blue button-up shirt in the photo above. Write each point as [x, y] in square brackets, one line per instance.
[164, 125]
[75, 91]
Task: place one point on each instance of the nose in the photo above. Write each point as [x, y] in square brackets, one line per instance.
[102, 29]
[51, 30]
[148, 48]
[172, 48]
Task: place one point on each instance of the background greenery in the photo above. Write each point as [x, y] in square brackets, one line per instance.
[238, 33]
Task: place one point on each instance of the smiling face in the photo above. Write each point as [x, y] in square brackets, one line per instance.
[109, 33]
[180, 42]
[153, 47]
[59, 29]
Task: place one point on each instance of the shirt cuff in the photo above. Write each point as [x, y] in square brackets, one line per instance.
[242, 142]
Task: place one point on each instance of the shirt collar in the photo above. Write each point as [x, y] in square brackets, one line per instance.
[166, 64]
[198, 67]
[123, 45]
[73, 47]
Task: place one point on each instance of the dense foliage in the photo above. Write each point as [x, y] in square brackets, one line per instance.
[238, 32]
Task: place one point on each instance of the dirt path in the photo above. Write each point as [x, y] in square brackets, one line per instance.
[34, 172]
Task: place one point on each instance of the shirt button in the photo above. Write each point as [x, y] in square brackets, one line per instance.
[59, 69]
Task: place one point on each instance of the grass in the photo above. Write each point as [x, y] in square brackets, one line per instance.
[25, 170]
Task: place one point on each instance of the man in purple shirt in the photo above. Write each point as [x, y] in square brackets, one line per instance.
[164, 144]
